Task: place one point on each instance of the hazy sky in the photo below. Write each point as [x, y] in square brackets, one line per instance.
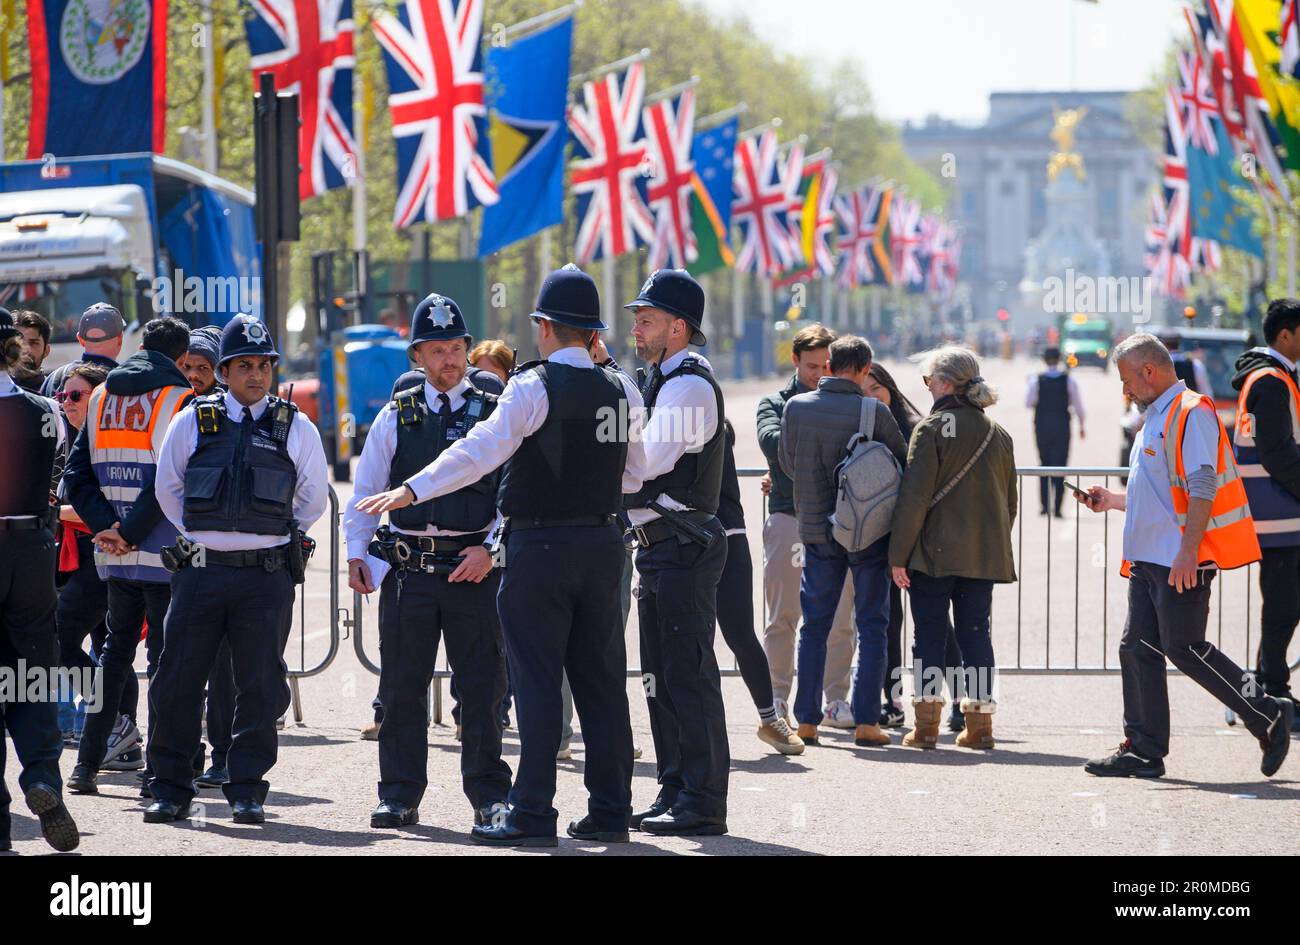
[945, 56]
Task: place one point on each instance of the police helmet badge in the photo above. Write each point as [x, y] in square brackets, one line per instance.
[255, 332]
[649, 284]
[441, 314]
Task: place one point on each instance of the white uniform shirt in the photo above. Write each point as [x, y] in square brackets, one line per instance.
[310, 493]
[1076, 402]
[371, 475]
[9, 389]
[520, 412]
[685, 418]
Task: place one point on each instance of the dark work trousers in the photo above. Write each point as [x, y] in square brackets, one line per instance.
[894, 661]
[416, 610]
[221, 705]
[1053, 450]
[559, 611]
[677, 610]
[1162, 622]
[736, 620]
[1279, 585]
[130, 603]
[958, 606]
[252, 610]
[826, 564]
[27, 634]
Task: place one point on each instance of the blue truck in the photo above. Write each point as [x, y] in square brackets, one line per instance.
[147, 233]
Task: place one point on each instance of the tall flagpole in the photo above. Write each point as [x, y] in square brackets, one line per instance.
[209, 93]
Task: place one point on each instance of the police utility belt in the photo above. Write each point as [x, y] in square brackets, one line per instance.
[292, 556]
[421, 552]
[683, 526]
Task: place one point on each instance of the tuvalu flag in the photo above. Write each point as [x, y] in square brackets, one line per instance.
[1215, 213]
[713, 153]
[99, 76]
[527, 88]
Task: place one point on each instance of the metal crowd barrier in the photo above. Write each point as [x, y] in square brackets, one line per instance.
[1058, 641]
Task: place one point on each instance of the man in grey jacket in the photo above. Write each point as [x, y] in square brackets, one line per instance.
[810, 354]
[815, 430]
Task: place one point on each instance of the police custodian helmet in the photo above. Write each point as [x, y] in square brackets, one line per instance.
[569, 297]
[674, 291]
[246, 335]
[7, 329]
[437, 318]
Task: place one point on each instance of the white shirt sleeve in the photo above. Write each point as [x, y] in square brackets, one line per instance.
[311, 493]
[521, 410]
[685, 418]
[178, 445]
[370, 477]
[635, 467]
[1031, 396]
[1076, 401]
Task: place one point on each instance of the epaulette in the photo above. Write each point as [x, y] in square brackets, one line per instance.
[410, 405]
[527, 366]
[208, 411]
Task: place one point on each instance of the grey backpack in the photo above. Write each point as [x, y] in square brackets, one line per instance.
[866, 486]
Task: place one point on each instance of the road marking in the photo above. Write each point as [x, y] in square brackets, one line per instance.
[1092, 731]
[1085, 794]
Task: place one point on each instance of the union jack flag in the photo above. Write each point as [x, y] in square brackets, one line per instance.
[942, 250]
[608, 176]
[435, 79]
[762, 197]
[1197, 102]
[307, 46]
[670, 129]
[1290, 39]
[860, 218]
[905, 240]
[1170, 270]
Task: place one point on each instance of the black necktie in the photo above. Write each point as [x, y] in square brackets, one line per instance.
[445, 410]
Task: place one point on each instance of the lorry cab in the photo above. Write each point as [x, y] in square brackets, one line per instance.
[1087, 341]
[1217, 349]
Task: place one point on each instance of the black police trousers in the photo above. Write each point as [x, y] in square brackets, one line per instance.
[559, 607]
[27, 641]
[252, 610]
[221, 706]
[677, 608]
[130, 603]
[1163, 622]
[416, 610]
[1279, 585]
[1053, 439]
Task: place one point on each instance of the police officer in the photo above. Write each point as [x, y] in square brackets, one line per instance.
[1052, 395]
[239, 475]
[558, 424]
[685, 445]
[33, 435]
[440, 576]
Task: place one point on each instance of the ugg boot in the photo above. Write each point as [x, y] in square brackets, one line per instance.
[978, 732]
[867, 735]
[925, 733]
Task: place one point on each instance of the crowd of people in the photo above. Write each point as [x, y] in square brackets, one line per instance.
[529, 506]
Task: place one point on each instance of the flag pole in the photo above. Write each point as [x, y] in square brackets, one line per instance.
[639, 56]
[759, 129]
[209, 108]
[718, 118]
[517, 30]
[672, 90]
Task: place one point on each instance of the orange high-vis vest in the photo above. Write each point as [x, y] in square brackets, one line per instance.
[1229, 540]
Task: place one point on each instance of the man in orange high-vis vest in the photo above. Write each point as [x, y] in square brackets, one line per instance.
[1187, 517]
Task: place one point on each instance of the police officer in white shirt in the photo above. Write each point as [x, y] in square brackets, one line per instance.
[241, 474]
[33, 435]
[561, 423]
[437, 576]
[685, 445]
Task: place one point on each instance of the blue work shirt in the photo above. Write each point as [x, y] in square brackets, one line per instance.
[1151, 531]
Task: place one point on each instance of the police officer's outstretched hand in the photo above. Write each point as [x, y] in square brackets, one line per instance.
[398, 498]
[475, 566]
[359, 578]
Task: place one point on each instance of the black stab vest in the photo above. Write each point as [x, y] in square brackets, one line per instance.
[30, 431]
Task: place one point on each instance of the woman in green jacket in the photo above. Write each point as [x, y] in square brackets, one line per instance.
[950, 540]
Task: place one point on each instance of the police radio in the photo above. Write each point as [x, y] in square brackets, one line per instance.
[283, 418]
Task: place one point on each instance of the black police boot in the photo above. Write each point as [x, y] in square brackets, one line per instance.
[588, 829]
[57, 826]
[504, 835]
[657, 809]
[247, 810]
[6, 844]
[393, 814]
[214, 777]
[164, 812]
[1278, 740]
[684, 824]
[83, 780]
[1125, 763]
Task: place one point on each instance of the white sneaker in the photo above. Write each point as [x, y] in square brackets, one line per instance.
[839, 714]
[122, 739]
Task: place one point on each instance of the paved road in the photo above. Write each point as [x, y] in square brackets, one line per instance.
[1027, 796]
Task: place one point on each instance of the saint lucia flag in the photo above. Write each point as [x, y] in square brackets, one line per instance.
[527, 86]
[99, 76]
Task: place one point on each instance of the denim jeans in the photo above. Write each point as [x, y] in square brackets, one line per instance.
[824, 569]
[971, 601]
